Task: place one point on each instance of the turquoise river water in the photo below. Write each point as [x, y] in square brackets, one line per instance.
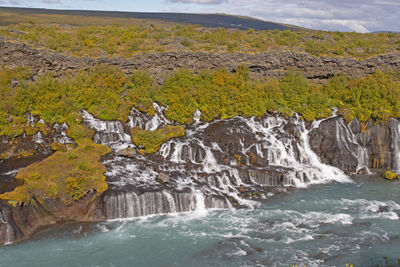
[325, 225]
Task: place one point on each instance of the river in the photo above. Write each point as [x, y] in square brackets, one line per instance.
[323, 225]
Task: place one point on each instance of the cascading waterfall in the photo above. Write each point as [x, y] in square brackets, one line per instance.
[60, 135]
[362, 153]
[146, 122]
[307, 168]
[6, 229]
[110, 133]
[38, 138]
[210, 167]
[57, 135]
[395, 127]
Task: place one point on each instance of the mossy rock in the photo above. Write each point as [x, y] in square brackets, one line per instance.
[391, 175]
[150, 141]
[67, 176]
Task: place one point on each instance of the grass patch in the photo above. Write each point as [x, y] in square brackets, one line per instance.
[150, 141]
[67, 176]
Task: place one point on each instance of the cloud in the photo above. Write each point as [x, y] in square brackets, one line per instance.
[29, 3]
[343, 15]
[51, 1]
[202, 2]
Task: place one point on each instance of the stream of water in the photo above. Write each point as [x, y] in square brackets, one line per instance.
[324, 225]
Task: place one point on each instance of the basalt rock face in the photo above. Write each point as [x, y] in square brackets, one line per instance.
[266, 64]
[354, 146]
[9, 231]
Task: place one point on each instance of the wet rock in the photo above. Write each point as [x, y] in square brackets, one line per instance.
[334, 143]
[9, 231]
[163, 178]
[127, 152]
[363, 171]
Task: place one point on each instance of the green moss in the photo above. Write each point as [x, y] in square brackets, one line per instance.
[58, 147]
[391, 175]
[150, 141]
[79, 131]
[64, 175]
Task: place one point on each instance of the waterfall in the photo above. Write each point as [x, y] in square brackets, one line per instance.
[110, 133]
[282, 152]
[362, 153]
[6, 229]
[60, 135]
[131, 205]
[38, 138]
[214, 165]
[147, 122]
[170, 200]
[395, 127]
[200, 204]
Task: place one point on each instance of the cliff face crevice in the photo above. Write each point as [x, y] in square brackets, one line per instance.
[267, 64]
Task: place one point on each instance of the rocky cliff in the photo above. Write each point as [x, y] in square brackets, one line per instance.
[268, 64]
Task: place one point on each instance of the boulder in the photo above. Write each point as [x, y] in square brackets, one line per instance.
[163, 178]
[127, 152]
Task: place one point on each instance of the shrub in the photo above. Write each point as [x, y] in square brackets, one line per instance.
[391, 175]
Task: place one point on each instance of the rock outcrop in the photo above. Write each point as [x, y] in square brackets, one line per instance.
[261, 65]
[352, 147]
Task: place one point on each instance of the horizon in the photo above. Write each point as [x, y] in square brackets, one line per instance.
[319, 15]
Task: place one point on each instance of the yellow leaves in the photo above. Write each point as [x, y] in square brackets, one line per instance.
[75, 188]
[220, 78]
[89, 43]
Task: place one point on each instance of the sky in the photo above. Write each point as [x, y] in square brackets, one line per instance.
[341, 15]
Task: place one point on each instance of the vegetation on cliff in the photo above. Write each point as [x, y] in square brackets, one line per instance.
[151, 141]
[391, 175]
[139, 37]
[65, 175]
[109, 94]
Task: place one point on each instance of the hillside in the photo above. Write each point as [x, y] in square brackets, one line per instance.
[101, 34]
[206, 20]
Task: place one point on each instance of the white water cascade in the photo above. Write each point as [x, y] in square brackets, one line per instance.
[146, 122]
[213, 166]
[307, 167]
[395, 126]
[343, 131]
[110, 133]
